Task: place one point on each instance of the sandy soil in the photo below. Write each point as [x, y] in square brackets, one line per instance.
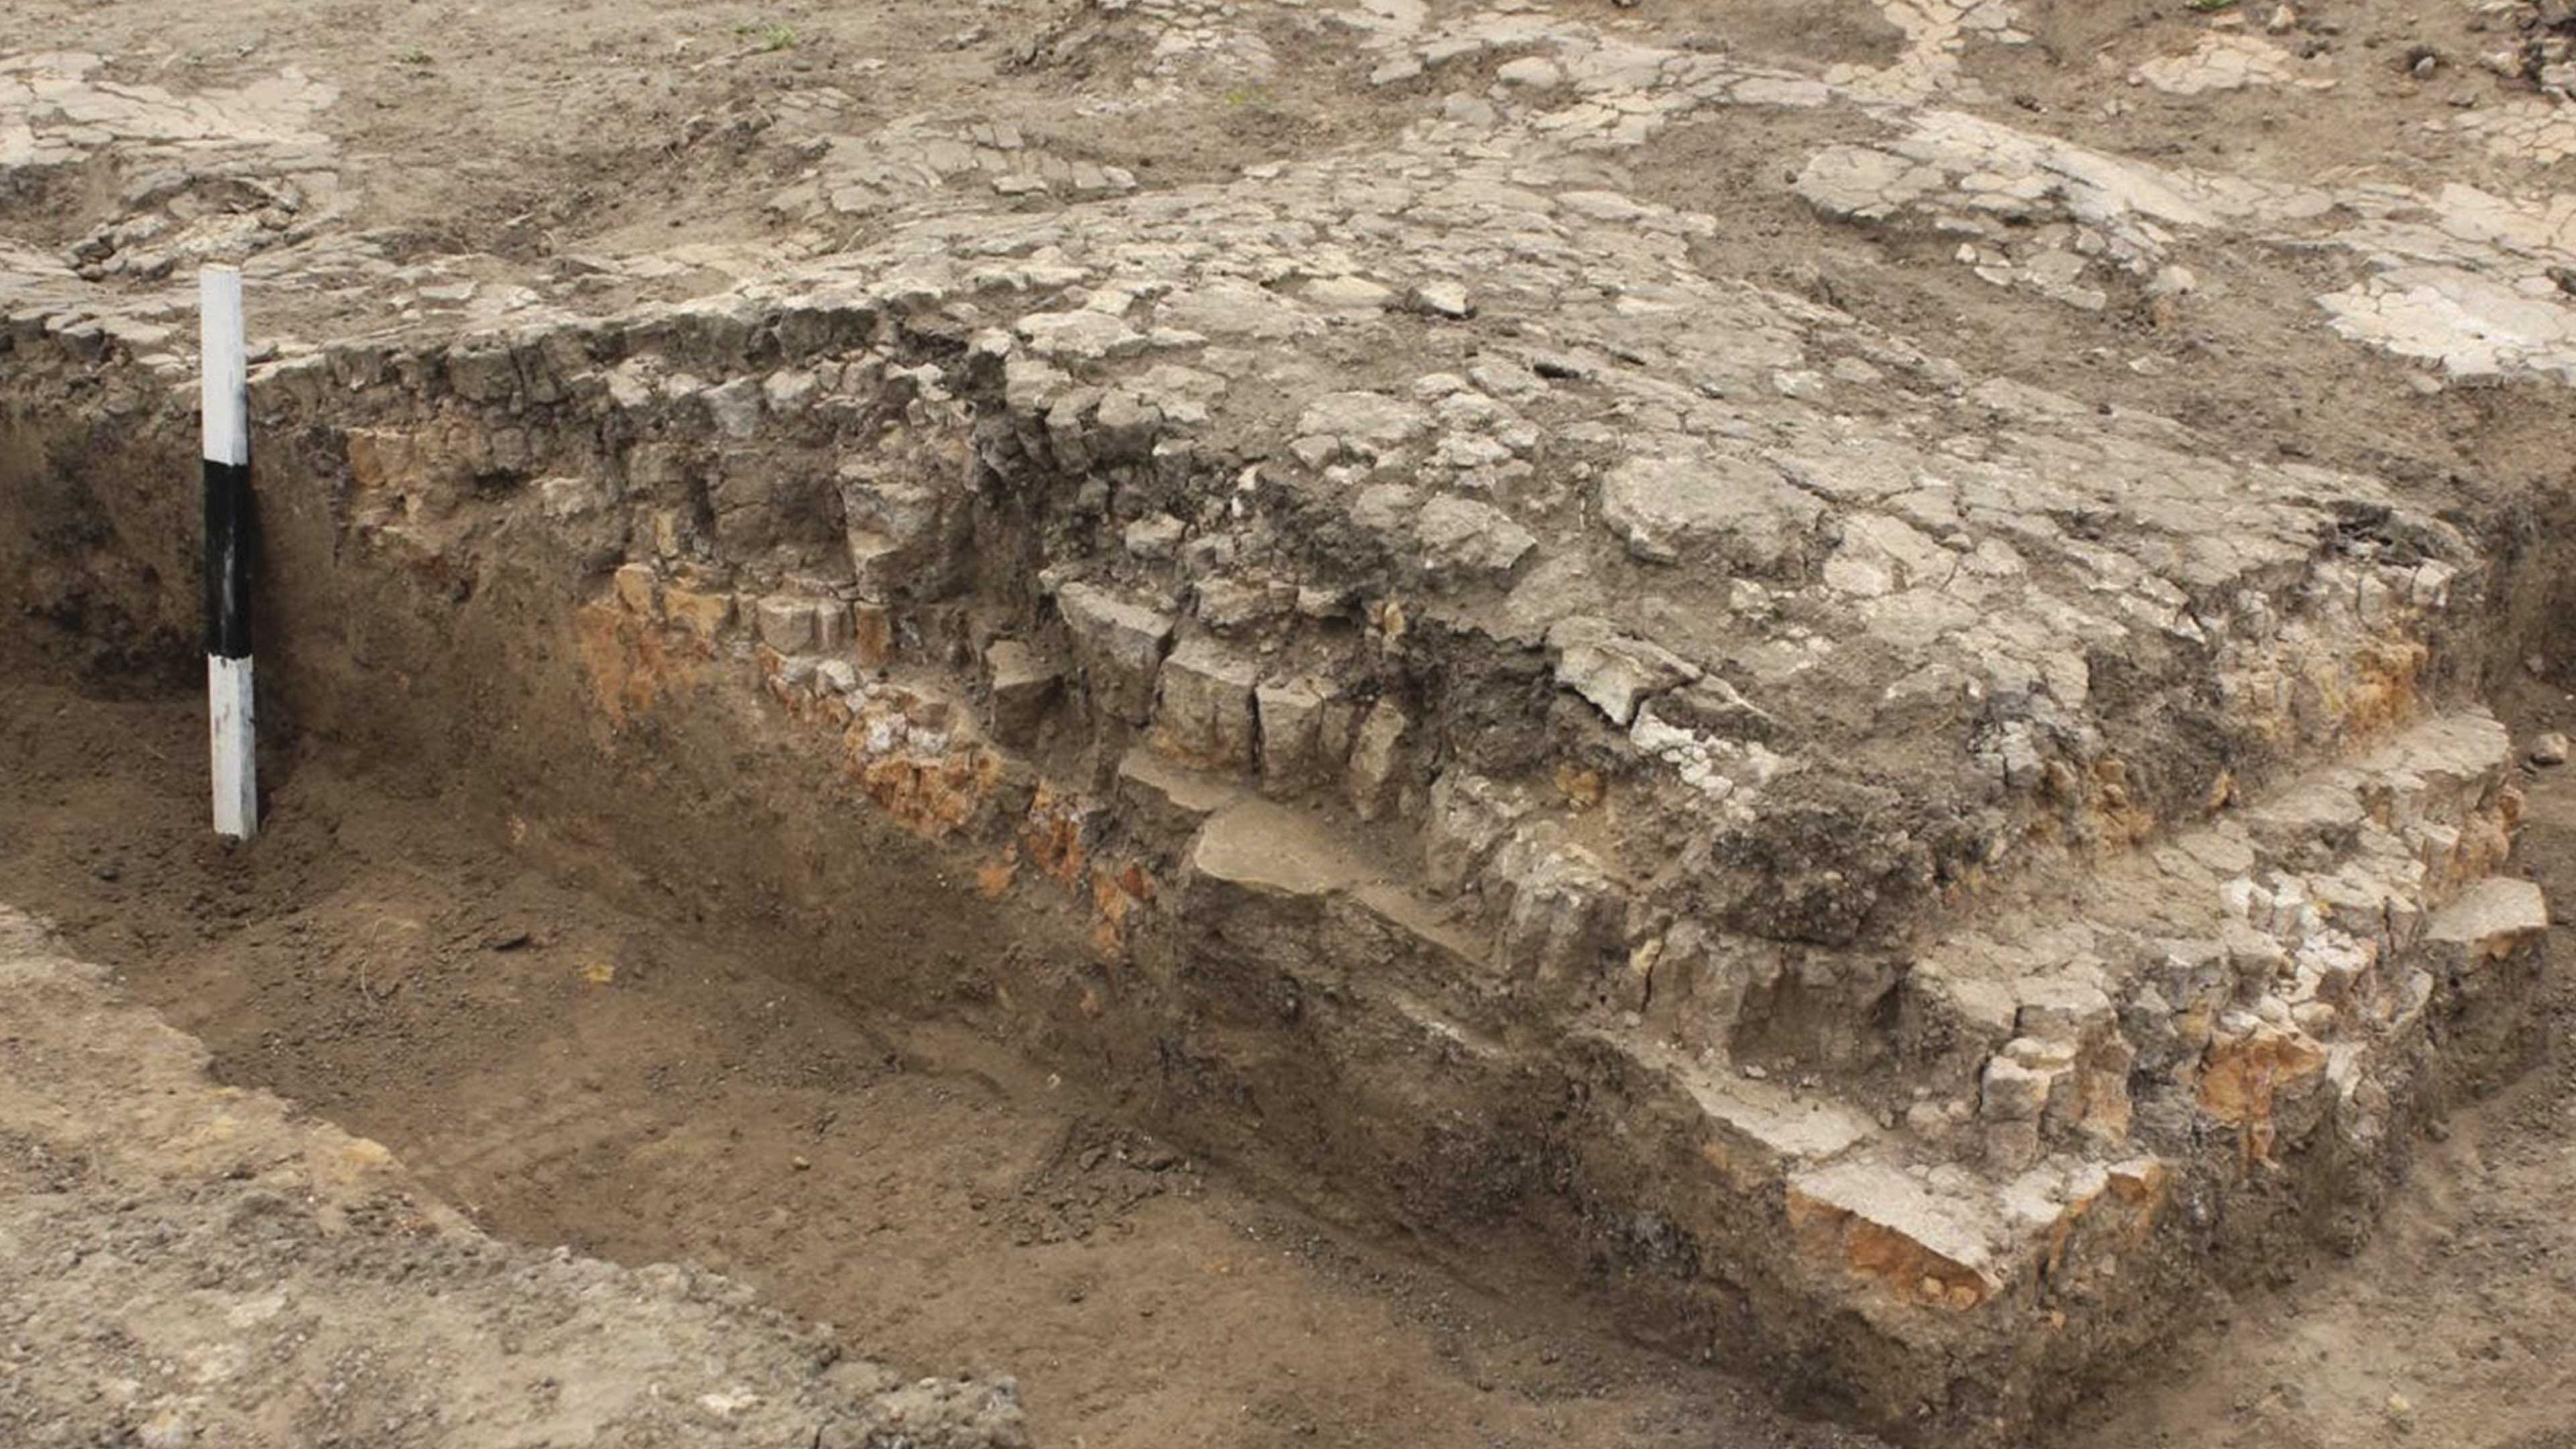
[648, 1090]
[193, 1263]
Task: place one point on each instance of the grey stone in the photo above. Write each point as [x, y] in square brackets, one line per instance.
[1464, 541]
[1562, 922]
[1377, 759]
[1681, 505]
[2011, 1092]
[1291, 717]
[1205, 714]
[1021, 687]
[1368, 423]
[1468, 818]
[1119, 645]
[1446, 299]
[1612, 670]
[1154, 537]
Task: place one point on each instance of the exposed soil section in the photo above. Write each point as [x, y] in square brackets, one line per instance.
[195, 1263]
[648, 1089]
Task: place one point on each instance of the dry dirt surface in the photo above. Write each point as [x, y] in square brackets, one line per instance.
[647, 1091]
[183, 1262]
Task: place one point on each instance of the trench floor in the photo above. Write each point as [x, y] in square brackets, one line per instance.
[647, 1089]
[650, 1089]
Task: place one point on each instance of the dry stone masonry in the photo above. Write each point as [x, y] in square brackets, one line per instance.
[1911, 871]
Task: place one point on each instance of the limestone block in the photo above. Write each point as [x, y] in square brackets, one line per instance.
[1157, 537]
[1206, 710]
[830, 625]
[1020, 687]
[785, 622]
[1466, 542]
[1377, 760]
[1615, 672]
[1469, 817]
[1123, 428]
[897, 528]
[2063, 1008]
[2489, 921]
[1564, 916]
[635, 584]
[1291, 716]
[1119, 646]
[871, 635]
[2012, 1146]
[1368, 424]
[1560, 922]
[1675, 506]
[1699, 985]
[705, 612]
[2011, 1092]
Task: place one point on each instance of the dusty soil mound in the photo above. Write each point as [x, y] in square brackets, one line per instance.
[192, 1263]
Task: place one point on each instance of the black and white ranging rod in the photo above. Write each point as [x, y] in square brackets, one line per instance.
[226, 405]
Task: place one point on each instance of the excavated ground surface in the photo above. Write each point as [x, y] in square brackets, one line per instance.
[194, 1263]
[1848, 688]
[637, 1087]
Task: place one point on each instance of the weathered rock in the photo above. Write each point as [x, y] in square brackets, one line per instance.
[1464, 541]
[1693, 505]
[1377, 761]
[1562, 924]
[1206, 711]
[1469, 817]
[1615, 672]
[786, 624]
[1157, 537]
[1119, 646]
[899, 532]
[1021, 687]
[1366, 423]
[705, 612]
[1446, 299]
[2488, 922]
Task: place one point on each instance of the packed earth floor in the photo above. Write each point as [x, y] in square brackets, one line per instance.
[1120, 722]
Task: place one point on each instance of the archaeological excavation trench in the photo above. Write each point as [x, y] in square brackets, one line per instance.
[1353, 721]
[1902, 916]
